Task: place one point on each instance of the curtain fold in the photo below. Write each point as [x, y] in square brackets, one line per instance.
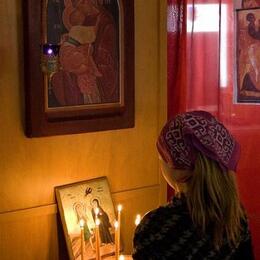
[176, 46]
[193, 45]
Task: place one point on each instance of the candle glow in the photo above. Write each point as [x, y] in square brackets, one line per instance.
[96, 212]
[50, 49]
[119, 208]
[116, 225]
[97, 222]
[137, 219]
[121, 257]
[81, 223]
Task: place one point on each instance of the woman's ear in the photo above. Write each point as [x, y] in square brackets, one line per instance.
[174, 177]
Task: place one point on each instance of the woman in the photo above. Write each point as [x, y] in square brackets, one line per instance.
[205, 220]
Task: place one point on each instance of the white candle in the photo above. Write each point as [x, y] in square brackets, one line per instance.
[81, 224]
[96, 213]
[137, 219]
[116, 225]
[119, 209]
[97, 239]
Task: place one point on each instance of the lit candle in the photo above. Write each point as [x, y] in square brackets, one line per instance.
[96, 212]
[81, 224]
[121, 257]
[119, 209]
[116, 224]
[97, 239]
[137, 219]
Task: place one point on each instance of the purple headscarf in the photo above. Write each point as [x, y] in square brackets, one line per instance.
[186, 134]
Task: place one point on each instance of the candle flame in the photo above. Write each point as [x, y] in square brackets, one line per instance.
[50, 51]
[81, 223]
[116, 224]
[96, 211]
[97, 222]
[138, 219]
[119, 208]
[121, 257]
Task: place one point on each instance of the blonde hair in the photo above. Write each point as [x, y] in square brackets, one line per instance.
[213, 202]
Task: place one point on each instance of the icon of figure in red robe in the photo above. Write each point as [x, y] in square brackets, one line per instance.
[250, 3]
[89, 56]
[251, 80]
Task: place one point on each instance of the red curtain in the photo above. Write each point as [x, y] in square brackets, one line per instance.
[201, 67]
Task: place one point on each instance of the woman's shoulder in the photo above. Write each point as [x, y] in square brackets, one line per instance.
[163, 231]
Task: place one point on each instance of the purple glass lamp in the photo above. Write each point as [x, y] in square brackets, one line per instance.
[50, 58]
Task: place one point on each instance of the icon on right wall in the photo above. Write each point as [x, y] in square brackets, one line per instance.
[248, 52]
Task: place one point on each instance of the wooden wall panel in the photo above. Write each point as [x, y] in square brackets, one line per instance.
[31, 168]
[64, 159]
[162, 89]
[37, 233]
[29, 238]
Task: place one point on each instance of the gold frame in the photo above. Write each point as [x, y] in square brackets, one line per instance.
[81, 194]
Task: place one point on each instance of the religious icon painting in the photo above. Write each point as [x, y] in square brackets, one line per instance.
[80, 78]
[248, 56]
[87, 33]
[246, 4]
[80, 204]
[250, 3]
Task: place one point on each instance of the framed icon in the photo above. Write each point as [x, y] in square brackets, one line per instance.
[78, 202]
[79, 66]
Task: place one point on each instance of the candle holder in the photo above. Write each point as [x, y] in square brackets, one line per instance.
[50, 59]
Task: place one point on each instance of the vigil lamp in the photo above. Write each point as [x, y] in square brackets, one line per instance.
[50, 59]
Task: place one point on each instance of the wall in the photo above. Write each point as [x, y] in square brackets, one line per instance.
[31, 168]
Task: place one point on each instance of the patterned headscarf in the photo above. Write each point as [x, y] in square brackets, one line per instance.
[182, 137]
